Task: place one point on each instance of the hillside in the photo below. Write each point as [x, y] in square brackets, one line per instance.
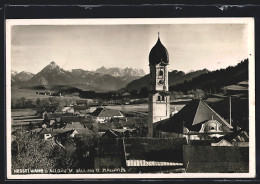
[213, 81]
[175, 77]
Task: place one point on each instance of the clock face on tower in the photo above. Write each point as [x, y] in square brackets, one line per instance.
[161, 82]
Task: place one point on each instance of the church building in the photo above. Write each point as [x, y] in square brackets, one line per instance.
[195, 121]
[159, 99]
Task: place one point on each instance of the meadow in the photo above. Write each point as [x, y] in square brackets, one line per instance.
[139, 107]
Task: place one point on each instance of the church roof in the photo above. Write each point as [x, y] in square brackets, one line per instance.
[158, 54]
[192, 116]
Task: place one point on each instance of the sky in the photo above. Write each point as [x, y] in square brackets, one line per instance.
[88, 47]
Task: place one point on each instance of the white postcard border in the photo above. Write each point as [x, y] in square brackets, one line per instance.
[125, 21]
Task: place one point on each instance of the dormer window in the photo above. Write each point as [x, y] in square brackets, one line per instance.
[211, 128]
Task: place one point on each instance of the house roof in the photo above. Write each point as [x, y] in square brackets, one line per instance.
[223, 142]
[238, 136]
[117, 125]
[63, 132]
[79, 107]
[110, 133]
[69, 119]
[123, 130]
[145, 163]
[105, 112]
[64, 109]
[81, 129]
[45, 131]
[102, 127]
[192, 116]
[74, 125]
[48, 108]
[52, 115]
[134, 122]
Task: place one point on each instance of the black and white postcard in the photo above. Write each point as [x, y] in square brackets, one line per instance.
[130, 98]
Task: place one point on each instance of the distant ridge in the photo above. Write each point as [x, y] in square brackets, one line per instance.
[213, 81]
[175, 77]
[118, 72]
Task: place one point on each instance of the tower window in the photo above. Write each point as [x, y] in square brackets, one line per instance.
[160, 75]
[162, 98]
[161, 72]
[159, 98]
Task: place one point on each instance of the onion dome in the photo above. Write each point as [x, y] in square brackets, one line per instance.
[158, 54]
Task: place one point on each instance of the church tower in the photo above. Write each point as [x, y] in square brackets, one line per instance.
[159, 99]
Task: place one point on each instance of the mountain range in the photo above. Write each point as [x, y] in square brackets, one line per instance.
[21, 77]
[128, 79]
[118, 72]
[103, 79]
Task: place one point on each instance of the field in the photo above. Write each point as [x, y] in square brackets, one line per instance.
[23, 112]
[138, 107]
[30, 94]
[27, 93]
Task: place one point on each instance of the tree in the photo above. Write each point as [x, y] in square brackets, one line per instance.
[28, 152]
[38, 101]
[144, 92]
[133, 93]
[65, 158]
[22, 102]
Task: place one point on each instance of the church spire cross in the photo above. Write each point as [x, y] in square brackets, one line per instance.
[158, 34]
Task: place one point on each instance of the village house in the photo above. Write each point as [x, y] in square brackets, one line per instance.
[43, 133]
[102, 114]
[44, 110]
[68, 109]
[78, 128]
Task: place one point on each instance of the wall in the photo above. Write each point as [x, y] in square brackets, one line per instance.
[219, 159]
[108, 162]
